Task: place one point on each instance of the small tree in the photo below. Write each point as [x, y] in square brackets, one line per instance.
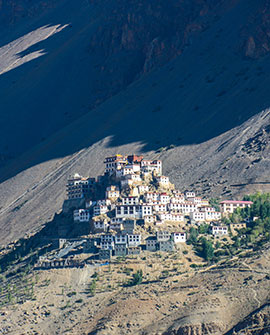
[92, 287]
[207, 249]
[136, 278]
[193, 235]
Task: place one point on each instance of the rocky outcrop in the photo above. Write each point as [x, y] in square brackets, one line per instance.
[11, 11]
[139, 37]
[198, 329]
[257, 322]
[256, 33]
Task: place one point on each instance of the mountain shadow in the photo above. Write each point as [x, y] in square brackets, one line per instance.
[180, 84]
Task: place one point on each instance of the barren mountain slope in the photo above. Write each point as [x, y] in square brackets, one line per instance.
[233, 298]
[232, 164]
[66, 57]
[201, 94]
[195, 98]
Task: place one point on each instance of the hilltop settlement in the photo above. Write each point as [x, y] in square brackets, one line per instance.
[133, 207]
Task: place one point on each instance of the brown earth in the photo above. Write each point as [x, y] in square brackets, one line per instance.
[229, 298]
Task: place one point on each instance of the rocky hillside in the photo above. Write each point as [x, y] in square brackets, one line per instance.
[231, 297]
[194, 103]
[13, 11]
[59, 60]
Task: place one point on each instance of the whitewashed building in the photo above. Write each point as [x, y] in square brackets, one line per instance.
[101, 224]
[179, 237]
[229, 206]
[107, 242]
[130, 200]
[130, 179]
[197, 216]
[133, 211]
[79, 187]
[174, 217]
[177, 217]
[151, 166]
[219, 230]
[100, 209]
[151, 196]
[165, 216]
[158, 207]
[163, 235]
[163, 180]
[114, 163]
[212, 216]
[143, 189]
[121, 239]
[112, 192]
[196, 200]
[189, 194]
[128, 211]
[104, 202]
[210, 213]
[164, 198]
[134, 240]
[146, 210]
[116, 220]
[185, 207]
[81, 215]
[149, 218]
[177, 200]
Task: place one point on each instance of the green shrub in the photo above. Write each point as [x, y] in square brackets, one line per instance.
[136, 278]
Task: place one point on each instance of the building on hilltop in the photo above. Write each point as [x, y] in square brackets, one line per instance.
[163, 181]
[229, 206]
[120, 250]
[107, 242]
[219, 230]
[134, 240]
[114, 163]
[210, 213]
[152, 166]
[129, 169]
[81, 215]
[142, 189]
[129, 226]
[134, 159]
[172, 216]
[163, 235]
[189, 194]
[130, 200]
[78, 187]
[179, 237]
[186, 207]
[198, 216]
[151, 243]
[133, 211]
[101, 224]
[100, 209]
[112, 192]
[166, 246]
[234, 227]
